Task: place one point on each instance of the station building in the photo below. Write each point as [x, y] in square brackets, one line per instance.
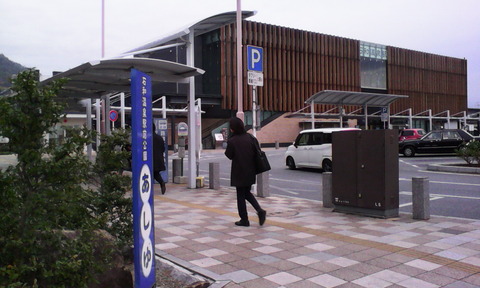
[298, 64]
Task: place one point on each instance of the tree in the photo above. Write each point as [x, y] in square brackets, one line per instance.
[55, 203]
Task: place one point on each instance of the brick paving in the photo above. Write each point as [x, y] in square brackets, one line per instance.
[303, 244]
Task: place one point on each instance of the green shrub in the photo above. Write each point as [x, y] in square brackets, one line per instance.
[55, 202]
[470, 153]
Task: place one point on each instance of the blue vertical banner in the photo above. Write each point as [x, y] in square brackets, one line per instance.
[142, 180]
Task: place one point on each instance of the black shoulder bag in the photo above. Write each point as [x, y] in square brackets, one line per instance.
[261, 160]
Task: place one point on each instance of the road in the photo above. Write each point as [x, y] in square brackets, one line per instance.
[451, 194]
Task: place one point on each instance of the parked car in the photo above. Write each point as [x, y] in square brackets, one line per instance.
[4, 140]
[439, 141]
[411, 134]
[312, 149]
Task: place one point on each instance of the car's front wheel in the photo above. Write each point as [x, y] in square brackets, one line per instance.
[327, 165]
[291, 163]
[408, 151]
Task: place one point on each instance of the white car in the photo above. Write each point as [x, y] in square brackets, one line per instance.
[313, 149]
[3, 140]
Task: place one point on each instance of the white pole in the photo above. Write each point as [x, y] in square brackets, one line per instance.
[365, 108]
[448, 118]
[164, 107]
[410, 118]
[122, 109]
[240, 113]
[312, 114]
[430, 119]
[108, 131]
[198, 126]
[254, 110]
[89, 126]
[98, 108]
[103, 28]
[192, 139]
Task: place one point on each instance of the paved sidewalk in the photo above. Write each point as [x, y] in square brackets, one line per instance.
[303, 244]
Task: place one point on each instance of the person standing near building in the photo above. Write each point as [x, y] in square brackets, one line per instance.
[158, 159]
[241, 150]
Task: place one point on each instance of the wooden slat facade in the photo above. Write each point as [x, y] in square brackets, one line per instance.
[431, 81]
[297, 64]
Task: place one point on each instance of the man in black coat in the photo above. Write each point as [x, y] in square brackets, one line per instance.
[158, 160]
[241, 150]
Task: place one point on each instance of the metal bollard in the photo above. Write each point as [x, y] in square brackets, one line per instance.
[263, 185]
[327, 189]
[213, 175]
[277, 145]
[420, 198]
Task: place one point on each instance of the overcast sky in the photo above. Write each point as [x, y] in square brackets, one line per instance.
[55, 35]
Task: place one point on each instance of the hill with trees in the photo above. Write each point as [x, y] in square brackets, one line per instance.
[8, 68]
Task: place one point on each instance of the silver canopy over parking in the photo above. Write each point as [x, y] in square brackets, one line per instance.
[353, 98]
[95, 79]
[341, 98]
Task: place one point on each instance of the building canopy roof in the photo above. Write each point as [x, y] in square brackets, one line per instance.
[353, 98]
[201, 27]
[95, 79]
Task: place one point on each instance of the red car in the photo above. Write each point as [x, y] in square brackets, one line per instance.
[411, 134]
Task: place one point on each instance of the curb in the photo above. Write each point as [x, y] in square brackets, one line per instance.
[453, 169]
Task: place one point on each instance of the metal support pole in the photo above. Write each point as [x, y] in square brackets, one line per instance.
[88, 105]
[240, 113]
[108, 131]
[341, 115]
[430, 119]
[98, 108]
[448, 119]
[198, 127]
[122, 109]
[388, 119]
[312, 115]
[164, 107]
[254, 110]
[365, 108]
[410, 118]
[192, 138]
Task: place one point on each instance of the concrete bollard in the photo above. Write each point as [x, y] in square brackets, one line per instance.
[420, 198]
[277, 145]
[177, 167]
[327, 189]
[213, 175]
[263, 185]
[177, 170]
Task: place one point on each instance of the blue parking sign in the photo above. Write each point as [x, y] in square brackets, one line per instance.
[254, 58]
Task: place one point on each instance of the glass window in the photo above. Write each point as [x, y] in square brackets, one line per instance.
[211, 53]
[327, 138]
[434, 136]
[317, 138]
[373, 65]
[451, 135]
[303, 140]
